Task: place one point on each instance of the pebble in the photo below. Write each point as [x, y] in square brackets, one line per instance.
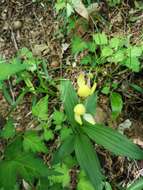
[17, 25]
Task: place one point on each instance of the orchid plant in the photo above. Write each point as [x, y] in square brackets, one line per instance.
[80, 108]
[84, 91]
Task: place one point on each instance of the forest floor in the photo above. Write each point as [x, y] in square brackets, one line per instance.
[37, 27]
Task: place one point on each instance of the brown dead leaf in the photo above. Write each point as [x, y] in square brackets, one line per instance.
[80, 8]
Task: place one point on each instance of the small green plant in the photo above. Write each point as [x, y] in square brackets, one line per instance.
[117, 50]
[20, 160]
[80, 115]
[113, 3]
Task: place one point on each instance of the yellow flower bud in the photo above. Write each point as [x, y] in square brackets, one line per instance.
[79, 109]
[84, 91]
[78, 119]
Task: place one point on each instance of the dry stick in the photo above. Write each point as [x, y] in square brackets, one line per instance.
[14, 39]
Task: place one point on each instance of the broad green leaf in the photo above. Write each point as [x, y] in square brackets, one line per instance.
[118, 56]
[86, 60]
[91, 103]
[137, 185]
[108, 186]
[23, 165]
[69, 99]
[115, 42]
[100, 38]
[48, 134]
[65, 133]
[14, 148]
[9, 130]
[64, 150]
[33, 142]
[60, 5]
[7, 175]
[84, 183]
[113, 141]
[134, 51]
[88, 160]
[43, 184]
[91, 46]
[116, 104]
[78, 45]
[106, 90]
[133, 63]
[40, 110]
[7, 70]
[58, 117]
[106, 51]
[64, 178]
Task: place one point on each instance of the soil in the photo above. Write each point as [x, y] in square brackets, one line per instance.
[35, 26]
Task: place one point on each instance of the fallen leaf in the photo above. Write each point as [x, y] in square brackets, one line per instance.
[80, 8]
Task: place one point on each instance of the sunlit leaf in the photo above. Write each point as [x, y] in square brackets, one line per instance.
[7, 70]
[40, 110]
[137, 185]
[33, 142]
[113, 141]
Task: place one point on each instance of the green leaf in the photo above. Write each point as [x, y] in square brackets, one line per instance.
[118, 56]
[106, 90]
[106, 51]
[136, 88]
[40, 110]
[86, 60]
[88, 160]
[43, 184]
[115, 42]
[8, 131]
[108, 186]
[137, 185]
[33, 142]
[100, 38]
[78, 45]
[91, 103]
[133, 63]
[116, 104]
[7, 175]
[64, 150]
[69, 10]
[23, 165]
[91, 46]
[65, 133]
[60, 5]
[58, 117]
[64, 178]
[134, 51]
[84, 183]
[69, 99]
[48, 134]
[7, 70]
[113, 141]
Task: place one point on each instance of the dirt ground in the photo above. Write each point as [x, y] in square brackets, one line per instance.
[35, 26]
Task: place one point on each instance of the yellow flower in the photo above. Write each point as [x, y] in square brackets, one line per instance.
[79, 109]
[84, 90]
[79, 112]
